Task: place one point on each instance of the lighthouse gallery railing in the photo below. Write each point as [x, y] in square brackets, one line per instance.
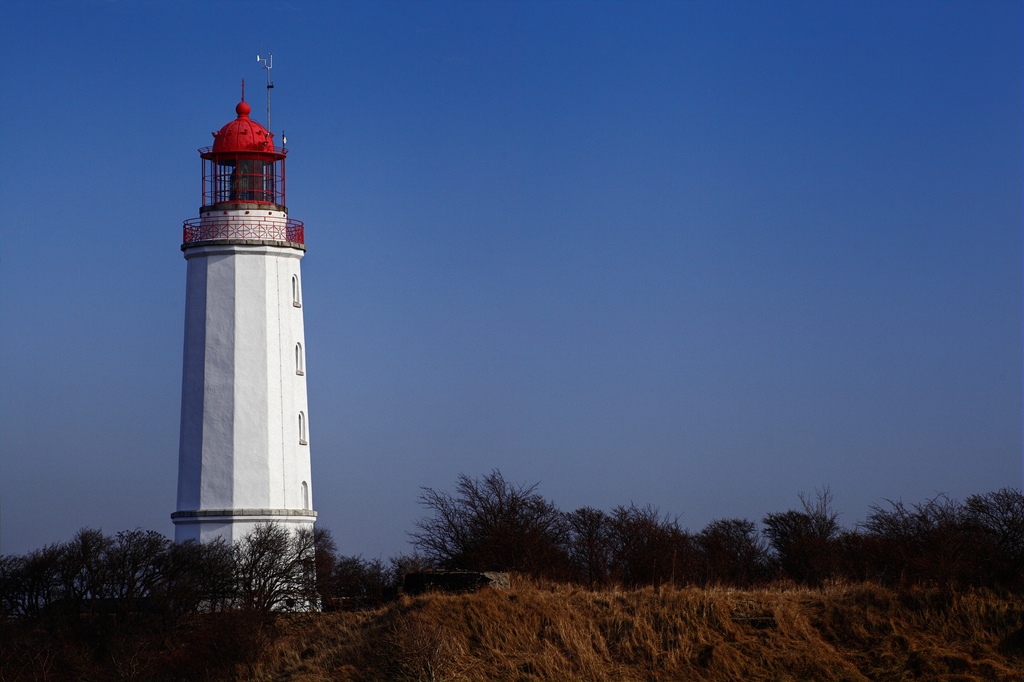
[249, 227]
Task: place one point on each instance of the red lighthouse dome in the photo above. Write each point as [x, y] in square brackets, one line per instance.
[243, 134]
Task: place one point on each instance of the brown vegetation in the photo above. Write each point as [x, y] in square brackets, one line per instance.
[542, 631]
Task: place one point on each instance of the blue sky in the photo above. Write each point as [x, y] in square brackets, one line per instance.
[702, 255]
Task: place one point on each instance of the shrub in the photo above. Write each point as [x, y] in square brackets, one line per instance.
[805, 542]
[490, 524]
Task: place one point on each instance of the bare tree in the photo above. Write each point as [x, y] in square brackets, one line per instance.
[732, 552]
[941, 541]
[194, 577]
[590, 545]
[649, 548]
[492, 524]
[805, 542]
[82, 569]
[133, 565]
[275, 569]
[1000, 515]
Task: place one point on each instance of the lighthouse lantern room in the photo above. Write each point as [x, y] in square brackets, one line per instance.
[244, 445]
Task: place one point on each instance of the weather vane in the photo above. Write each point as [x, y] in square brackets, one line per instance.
[267, 63]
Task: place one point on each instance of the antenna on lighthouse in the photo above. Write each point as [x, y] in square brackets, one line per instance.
[267, 63]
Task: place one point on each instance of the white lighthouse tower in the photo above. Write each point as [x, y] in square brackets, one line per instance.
[244, 449]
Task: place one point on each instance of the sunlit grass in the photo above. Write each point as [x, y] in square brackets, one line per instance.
[543, 631]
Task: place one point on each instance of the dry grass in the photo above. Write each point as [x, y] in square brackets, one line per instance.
[542, 631]
[539, 631]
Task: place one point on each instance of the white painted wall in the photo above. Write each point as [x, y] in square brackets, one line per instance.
[241, 396]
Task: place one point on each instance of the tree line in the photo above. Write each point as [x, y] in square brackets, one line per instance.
[139, 571]
[491, 524]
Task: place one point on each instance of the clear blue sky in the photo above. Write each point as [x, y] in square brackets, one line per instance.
[703, 255]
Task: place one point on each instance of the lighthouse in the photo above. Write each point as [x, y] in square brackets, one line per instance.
[244, 448]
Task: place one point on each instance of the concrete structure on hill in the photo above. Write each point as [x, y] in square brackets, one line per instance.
[244, 448]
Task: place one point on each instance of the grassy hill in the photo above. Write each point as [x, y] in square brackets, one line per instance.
[545, 631]
[552, 632]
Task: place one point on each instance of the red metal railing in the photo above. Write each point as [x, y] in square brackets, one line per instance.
[249, 227]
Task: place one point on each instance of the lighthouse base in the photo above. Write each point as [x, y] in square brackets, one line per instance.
[231, 525]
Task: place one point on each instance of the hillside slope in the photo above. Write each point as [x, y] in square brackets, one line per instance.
[531, 632]
[535, 632]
